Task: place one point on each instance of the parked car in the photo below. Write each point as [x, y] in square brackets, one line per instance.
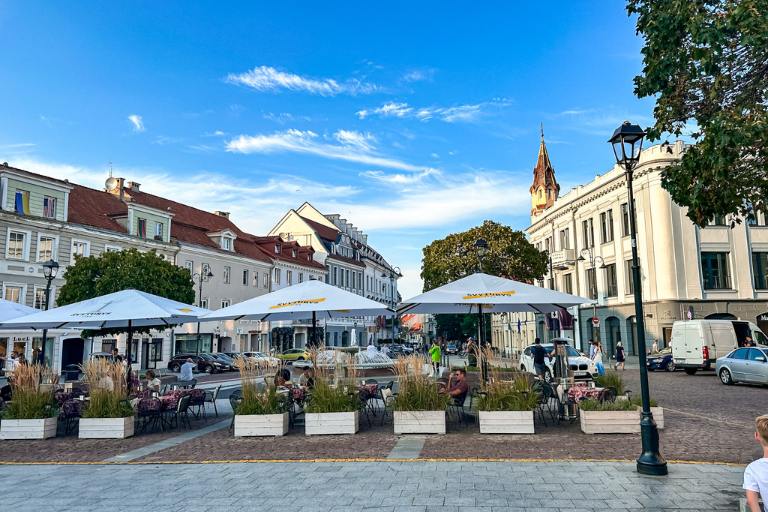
[452, 348]
[228, 362]
[743, 365]
[205, 363]
[294, 354]
[261, 356]
[697, 344]
[661, 360]
[400, 350]
[581, 366]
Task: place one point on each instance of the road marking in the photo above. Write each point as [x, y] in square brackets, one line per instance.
[407, 448]
[723, 422]
[167, 443]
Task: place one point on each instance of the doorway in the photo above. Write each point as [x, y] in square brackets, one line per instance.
[72, 351]
[613, 335]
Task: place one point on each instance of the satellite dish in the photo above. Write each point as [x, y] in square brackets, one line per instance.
[111, 183]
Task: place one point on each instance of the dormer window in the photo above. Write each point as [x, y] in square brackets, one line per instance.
[278, 248]
[293, 253]
[226, 243]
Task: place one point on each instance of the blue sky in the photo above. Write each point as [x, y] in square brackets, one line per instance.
[413, 121]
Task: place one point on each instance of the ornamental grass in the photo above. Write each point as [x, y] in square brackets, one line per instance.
[417, 390]
[107, 389]
[31, 400]
[513, 394]
[258, 396]
[611, 379]
[596, 405]
[335, 388]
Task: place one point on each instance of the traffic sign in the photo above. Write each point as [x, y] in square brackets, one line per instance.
[595, 321]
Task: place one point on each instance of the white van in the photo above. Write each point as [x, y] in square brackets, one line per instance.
[696, 344]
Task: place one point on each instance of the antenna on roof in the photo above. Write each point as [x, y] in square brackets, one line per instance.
[110, 169]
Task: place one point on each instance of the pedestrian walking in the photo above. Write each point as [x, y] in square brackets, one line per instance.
[435, 354]
[591, 349]
[597, 358]
[619, 356]
[539, 364]
[756, 474]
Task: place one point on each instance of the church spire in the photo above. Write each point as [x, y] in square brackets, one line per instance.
[544, 189]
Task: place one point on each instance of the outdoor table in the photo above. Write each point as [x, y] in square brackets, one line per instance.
[578, 393]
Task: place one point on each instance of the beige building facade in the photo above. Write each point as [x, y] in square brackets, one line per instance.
[718, 271]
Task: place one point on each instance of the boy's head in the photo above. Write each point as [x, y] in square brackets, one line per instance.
[761, 430]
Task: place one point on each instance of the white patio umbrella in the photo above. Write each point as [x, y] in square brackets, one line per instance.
[482, 293]
[310, 299]
[10, 310]
[124, 309]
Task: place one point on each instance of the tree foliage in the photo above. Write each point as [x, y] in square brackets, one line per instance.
[706, 63]
[93, 276]
[509, 255]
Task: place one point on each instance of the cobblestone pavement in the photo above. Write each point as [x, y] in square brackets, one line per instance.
[372, 486]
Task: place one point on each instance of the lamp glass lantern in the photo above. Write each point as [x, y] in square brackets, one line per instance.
[627, 143]
[50, 269]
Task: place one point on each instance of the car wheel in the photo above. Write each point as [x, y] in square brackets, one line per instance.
[691, 371]
[725, 377]
[209, 370]
[175, 368]
[670, 366]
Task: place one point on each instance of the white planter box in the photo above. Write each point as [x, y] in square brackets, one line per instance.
[610, 422]
[28, 429]
[331, 423]
[261, 424]
[658, 415]
[106, 428]
[506, 422]
[419, 422]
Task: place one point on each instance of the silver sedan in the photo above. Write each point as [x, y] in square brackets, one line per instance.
[746, 364]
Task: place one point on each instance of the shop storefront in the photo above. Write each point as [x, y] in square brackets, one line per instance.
[193, 343]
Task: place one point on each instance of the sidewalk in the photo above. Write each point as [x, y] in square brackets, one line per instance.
[375, 486]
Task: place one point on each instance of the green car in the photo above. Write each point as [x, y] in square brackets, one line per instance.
[294, 354]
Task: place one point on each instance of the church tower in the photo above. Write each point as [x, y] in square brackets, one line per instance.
[544, 190]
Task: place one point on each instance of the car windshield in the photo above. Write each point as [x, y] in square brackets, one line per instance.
[207, 357]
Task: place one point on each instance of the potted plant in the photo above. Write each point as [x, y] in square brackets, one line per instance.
[506, 406]
[31, 414]
[107, 414]
[619, 417]
[262, 411]
[419, 407]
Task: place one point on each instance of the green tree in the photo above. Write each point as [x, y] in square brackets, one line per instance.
[509, 255]
[706, 63]
[93, 276]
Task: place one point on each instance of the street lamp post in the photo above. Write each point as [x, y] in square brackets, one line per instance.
[204, 275]
[627, 142]
[393, 273]
[50, 269]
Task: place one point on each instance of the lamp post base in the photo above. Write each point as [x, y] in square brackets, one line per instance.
[650, 462]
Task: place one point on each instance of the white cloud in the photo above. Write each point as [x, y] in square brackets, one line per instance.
[353, 138]
[419, 75]
[400, 178]
[458, 113]
[137, 122]
[309, 142]
[267, 78]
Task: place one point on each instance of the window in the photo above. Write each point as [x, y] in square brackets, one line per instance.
[246, 278]
[46, 247]
[588, 233]
[301, 277]
[225, 303]
[293, 253]
[226, 243]
[112, 248]
[159, 230]
[39, 298]
[204, 303]
[227, 274]
[21, 205]
[717, 220]
[714, 269]
[107, 344]
[14, 292]
[740, 353]
[611, 289]
[347, 278]
[190, 265]
[760, 269]
[606, 227]
[141, 230]
[156, 350]
[205, 269]
[277, 248]
[80, 248]
[568, 283]
[265, 280]
[277, 276]
[49, 207]
[333, 282]
[18, 245]
[565, 239]
[289, 277]
[591, 283]
[756, 355]
[624, 219]
[628, 273]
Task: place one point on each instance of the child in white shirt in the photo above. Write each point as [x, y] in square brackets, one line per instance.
[756, 474]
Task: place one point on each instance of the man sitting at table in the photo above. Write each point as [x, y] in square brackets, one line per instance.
[307, 380]
[186, 369]
[457, 386]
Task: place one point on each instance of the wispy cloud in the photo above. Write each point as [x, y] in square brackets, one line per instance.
[267, 78]
[137, 122]
[351, 147]
[17, 146]
[466, 113]
[419, 75]
[400, 179]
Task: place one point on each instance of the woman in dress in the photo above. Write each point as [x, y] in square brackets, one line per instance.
[619, 356]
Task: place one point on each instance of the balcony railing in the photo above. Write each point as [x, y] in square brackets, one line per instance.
[563, 258]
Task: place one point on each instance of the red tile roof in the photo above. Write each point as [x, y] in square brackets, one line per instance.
[322, 230]
[95, 208]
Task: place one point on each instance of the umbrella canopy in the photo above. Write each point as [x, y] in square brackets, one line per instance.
[300, 301]
[490, 294]
[10, 310]
[127, 308]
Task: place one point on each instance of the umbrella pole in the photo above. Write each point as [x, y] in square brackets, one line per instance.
[480, 354]
[314, 329]
[128, 343]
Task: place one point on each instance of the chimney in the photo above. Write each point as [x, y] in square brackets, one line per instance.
[133, 186]
[222, 214]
